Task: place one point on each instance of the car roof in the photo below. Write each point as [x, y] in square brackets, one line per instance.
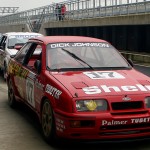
[60, 38]
[20, 33]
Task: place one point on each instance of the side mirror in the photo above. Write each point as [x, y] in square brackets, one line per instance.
[37, 66]
[130, 62]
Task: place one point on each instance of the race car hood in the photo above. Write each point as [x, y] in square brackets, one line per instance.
[96, 83]
[12, 51]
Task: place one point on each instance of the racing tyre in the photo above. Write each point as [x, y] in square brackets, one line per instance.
[11, 96]
[48, 123]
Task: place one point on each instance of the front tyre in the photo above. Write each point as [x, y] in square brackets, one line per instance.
[48, 122]
[11, 96]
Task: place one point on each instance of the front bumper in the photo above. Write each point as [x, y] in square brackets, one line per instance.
[105, 126]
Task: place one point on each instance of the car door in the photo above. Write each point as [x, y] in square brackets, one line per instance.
[26, 80]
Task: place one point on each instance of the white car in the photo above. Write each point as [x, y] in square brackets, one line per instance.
[10, 43]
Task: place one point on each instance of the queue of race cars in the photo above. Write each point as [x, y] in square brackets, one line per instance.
[80, 88]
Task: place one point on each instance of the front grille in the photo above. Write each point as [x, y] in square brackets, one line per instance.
[141, 111]
[126, 105]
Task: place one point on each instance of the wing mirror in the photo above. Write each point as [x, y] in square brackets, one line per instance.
[37, 66]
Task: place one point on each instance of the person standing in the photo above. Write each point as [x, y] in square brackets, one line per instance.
[63, 11]
[58, 12]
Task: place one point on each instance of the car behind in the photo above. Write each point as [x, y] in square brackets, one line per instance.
[10, 43]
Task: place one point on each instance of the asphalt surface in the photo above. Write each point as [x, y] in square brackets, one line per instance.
[20, 130]
[144, 69]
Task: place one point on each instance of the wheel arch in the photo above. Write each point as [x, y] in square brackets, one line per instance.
[51, 138]
[42, 102]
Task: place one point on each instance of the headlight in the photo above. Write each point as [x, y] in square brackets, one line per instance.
[147, 102]
[91, 105]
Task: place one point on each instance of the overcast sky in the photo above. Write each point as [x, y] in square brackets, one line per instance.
[27, 4]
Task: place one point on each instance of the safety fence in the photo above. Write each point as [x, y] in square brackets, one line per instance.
[77, 9]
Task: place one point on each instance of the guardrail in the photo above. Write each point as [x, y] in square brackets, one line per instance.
[78, 9]
[136, 57]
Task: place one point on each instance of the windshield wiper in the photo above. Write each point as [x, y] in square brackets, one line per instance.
[76, 57]
[54, 69]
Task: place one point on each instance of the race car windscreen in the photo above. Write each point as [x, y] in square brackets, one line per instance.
[18, 39]
[84, 56]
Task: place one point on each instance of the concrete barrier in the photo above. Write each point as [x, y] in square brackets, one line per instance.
[137, 58]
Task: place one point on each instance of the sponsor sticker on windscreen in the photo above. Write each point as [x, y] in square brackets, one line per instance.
[23, 36]
[61, 45]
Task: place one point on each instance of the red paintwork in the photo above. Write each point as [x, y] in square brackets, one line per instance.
[56, 39]
[72, 82]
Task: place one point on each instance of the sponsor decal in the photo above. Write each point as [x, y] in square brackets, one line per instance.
[53, 91]
[30, 92]
[39, 85]
[124, 122]
[17, 70]
[31, 75]
[61, 45]
[60, 125]
[109, 89]
[113, 122]
[104, 75]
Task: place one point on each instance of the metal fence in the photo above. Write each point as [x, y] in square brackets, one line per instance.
[78, 9]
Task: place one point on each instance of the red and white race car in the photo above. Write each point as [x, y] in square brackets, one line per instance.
[81, 88]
